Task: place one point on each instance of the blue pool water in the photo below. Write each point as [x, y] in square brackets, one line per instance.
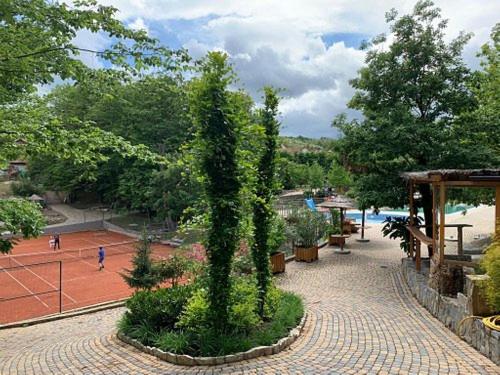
[373, 218]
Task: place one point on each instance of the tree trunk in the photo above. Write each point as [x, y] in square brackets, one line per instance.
[425, 190]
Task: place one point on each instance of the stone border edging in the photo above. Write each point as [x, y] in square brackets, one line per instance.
[67, 314]
[187, 360]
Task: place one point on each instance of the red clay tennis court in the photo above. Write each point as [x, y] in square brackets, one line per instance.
[37, 281]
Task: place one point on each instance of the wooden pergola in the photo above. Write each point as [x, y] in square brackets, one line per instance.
[440, 181]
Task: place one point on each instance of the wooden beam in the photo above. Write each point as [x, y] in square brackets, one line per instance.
[476, 183]
[420, 236]
[462, 263]
[442, 203]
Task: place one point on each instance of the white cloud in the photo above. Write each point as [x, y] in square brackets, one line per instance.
[276, 42]
[138, 24]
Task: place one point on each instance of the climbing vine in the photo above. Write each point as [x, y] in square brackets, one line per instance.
[217, 138]
[265, 187]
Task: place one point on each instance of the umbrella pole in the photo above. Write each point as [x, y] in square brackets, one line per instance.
[363, 239]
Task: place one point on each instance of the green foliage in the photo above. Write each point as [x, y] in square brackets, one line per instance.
[277, 235]
[25, 187]
[19, 217]
[243, 262]
[160, 309]
[481, 125]
[396, 227]
[338, 178]
[491, 264]
[265, 187]
[217, 135]
[307, 227]
[335, 222]
[410, 94]
[172, 269]
[37, 44]
[286, 312]
[242, 314]
[174, 342]
[142, 275]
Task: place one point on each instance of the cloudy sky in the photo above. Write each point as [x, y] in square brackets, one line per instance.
[309, 48]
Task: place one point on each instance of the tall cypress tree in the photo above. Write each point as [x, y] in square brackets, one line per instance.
[217, 137]
[262, 208]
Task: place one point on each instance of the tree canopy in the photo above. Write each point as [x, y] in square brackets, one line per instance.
[411, 94]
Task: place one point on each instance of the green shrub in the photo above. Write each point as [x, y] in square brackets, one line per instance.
[25, 187]
[308, 227]
[175, 342]
[242, 312]
[160, 308]
[176, 319]
[194, 316]
[396, 227]
[491, 264]
[172, 269]
[143, 330]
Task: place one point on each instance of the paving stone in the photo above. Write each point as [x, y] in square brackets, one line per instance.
[362, 319]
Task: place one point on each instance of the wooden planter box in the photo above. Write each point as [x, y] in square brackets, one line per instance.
[278, 262]
[336, 240]
[304, 254]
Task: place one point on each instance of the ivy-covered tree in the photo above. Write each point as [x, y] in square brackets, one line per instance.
[265, 189]
[218, 141]
[409, 92]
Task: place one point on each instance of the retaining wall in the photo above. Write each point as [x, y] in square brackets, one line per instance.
[451, 311]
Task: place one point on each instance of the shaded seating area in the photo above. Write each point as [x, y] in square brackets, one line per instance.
[440, 182]
[343, 204]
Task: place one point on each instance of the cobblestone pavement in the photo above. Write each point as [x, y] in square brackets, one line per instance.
[362, 320]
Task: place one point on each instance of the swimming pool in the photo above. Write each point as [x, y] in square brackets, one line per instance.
[377, 219]
[373, 218]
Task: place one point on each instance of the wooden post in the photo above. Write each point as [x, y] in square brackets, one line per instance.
[442, 203]
[460, 244]
[497, 211]
[412, 210]
[410, 252]
[363, 224]
[434, 216]
[342, 226]
[418, 262]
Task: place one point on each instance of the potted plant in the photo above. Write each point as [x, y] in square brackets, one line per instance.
[335, 237]
[276, 240]
[308, 228]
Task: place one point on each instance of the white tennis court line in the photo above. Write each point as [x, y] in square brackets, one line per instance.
[25, 287]
[90, 264]
[44, 280]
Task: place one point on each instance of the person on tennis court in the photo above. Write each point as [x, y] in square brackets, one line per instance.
[52, 243]
[57, 241]
[101, 257]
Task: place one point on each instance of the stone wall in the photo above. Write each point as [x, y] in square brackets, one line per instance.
[451, 311]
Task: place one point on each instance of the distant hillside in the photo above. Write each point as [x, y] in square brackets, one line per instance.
[294, 145]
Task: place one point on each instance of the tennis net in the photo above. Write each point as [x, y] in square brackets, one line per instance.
[119, 248]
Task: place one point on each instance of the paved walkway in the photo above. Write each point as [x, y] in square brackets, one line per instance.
[76, 215]
[362, 320]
